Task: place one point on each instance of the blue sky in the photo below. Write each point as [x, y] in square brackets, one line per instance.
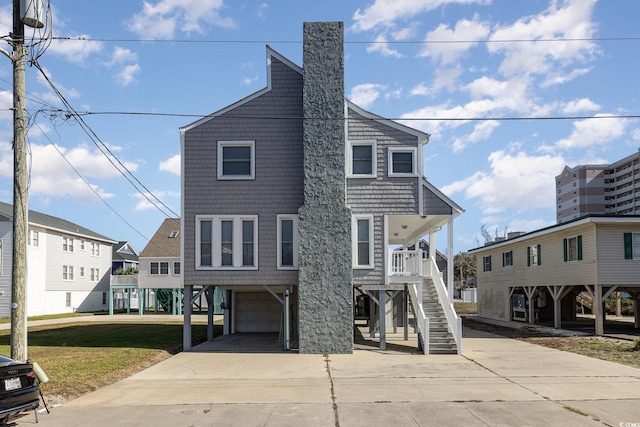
[510, 59]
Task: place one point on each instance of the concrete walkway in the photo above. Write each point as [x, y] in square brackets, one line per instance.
[496, 382]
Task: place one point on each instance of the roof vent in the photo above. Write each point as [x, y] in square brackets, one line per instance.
[173, 234]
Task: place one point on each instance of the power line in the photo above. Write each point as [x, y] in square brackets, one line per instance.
[120, 167]
[346, 42]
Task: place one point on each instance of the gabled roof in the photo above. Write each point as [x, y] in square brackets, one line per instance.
[123, 251]
[456, 209]
[55, 224]
[271, 54]
[165, 242]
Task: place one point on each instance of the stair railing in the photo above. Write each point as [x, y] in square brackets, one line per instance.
[454, 322]
[422, 321]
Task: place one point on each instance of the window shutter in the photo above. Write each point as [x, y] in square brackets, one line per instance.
[489, 262]
[579, 247]
[565, 243]
[628, 248]
[539, 256]
[504, 259]
[528, 256]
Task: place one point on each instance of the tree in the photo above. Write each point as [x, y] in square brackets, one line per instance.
[464, 268]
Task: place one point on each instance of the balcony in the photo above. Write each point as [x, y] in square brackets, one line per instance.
[405, 266]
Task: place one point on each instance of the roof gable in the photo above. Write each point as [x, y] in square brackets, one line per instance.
[165, 242]
[271, 56]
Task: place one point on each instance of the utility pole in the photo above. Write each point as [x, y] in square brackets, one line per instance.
[19, 269]
[33, 14]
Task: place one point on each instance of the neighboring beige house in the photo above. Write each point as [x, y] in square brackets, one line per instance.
[536, 276]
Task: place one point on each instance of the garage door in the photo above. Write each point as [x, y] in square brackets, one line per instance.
[257, 312]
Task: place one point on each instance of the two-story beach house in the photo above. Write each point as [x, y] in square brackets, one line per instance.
[294, 200]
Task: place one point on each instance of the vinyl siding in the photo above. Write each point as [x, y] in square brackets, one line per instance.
[612, 267]
[493, 286]
[147, 280]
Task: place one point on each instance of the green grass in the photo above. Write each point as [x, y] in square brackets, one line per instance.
[82, 357]
[48, 316]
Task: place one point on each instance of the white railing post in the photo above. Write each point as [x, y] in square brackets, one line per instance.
[425, 336]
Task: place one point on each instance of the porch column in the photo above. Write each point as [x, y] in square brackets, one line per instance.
[186, 329]
[531, 292]
[598, 309]
[111, 301]
[432, 243]
[209, 296]
[405, 312]
[382, 312]
[287, 320]
[558, 293]
[449, 257]
[636, 308]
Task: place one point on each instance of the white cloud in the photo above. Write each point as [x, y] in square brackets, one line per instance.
[447, 53]
[383, 13]
[122, 55]
[75, 50]
[572, 20]
[516, 181]
[127, 75]
[262, 7]
[171, 165]
[248, 81]
[144, 202]
[365, 95]
[421, 90]
[481, 132]
[49, 96]
[6, 105]
[164, 18]
[580, 105]
[382, 46]
[595, 131]
[51, 175]
[447, 78]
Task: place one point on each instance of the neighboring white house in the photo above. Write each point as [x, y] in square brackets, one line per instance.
[68, 266]
[537, 276]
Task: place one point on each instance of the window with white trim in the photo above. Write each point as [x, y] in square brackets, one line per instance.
[486, 263]
[176, 268]
[81, 271]
[572, 248]
[403, 161]
[67, 272]
[95, 274]
[154, 268]
[95, 249]
[361, 159]
[362, 235]
[67, 244]
[236, 160]
[34, 238]
[226, 242]
[67, 301]
[287, 242]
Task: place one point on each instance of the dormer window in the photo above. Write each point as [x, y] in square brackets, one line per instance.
[173, 234]
[403, 161]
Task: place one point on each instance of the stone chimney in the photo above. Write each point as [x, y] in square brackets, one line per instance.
[325, 265]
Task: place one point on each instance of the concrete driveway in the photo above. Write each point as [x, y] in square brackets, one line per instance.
[496, 382]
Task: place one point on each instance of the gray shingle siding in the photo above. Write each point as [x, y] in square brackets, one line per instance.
[383, 195]
[278, 184]
[434, 205]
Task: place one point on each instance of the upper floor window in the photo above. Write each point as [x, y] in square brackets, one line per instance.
[95, 274]
[236, 160]
[486, 263]
[362, 159]
[287, 241]
[507, 258]
[533, 255]
[82, 245]
[176, 268]
[34, 238]
[403, 161]
[95, 249]
[572, 248]
[226, 241]
[67, 272]
[362, 236]
[632, 245]
[67, 244]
